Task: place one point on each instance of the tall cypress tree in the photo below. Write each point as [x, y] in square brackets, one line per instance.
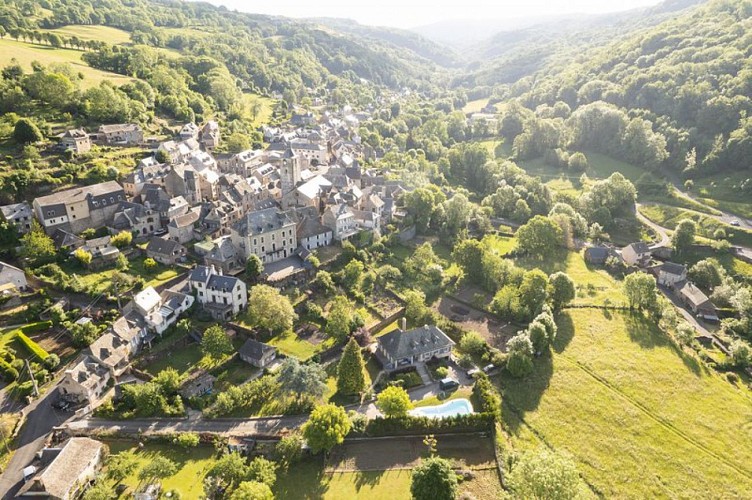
[351, 372]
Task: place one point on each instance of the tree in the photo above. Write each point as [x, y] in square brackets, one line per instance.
[150, 265]
[469, 254]
[684, 235]
[538, 336]
[26, 131]
[215, 343]
[434, 479]
[37, 247]
[520, 355]
[83, 257]
[289, 449]
[121, 465]
[533, 292]
[326, 427]
[472, 343]
[539, 237]
[740, 353]
[254, 267]
[416, 310]
[230, 470]
[577, 162]
[262, 470]
[157, 468]
[168, 380]
[339, 319]
[186, 440]
[252, 490]
[351, 371]
[562, 290]
[269, 309]
[544, 474]
[393, 402]
[100, 491]
[84, 334]
[122, 239]
[237, 142]
[302, 380]
[640, 290]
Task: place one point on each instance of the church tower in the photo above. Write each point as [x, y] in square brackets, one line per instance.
[289, 171]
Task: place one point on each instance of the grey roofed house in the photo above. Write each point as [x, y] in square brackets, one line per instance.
[261, 221]
[640, 247]
[695, 299]
[597, 255]
[69, 471]
[257, 353]
[164, 250]
[407, 347]
[19, 214]
[673, 268]
[185, 220]
[65, 239]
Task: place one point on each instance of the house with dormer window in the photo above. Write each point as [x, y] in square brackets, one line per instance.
[221, 296]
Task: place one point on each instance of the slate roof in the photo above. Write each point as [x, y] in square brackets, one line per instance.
[81, 193]
[16, 211]
[261, 221]
[184, 220]
[255, 350]
[597, 254]
[673, 268]
[693, 294]
[61, 476]
[639, 247]
[402, 344]
[163, 246]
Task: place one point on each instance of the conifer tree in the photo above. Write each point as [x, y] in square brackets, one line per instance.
[351, 372]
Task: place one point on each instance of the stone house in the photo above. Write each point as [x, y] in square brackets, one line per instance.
[401, 348]
[221, 296]
[257, 353]
[165, 251]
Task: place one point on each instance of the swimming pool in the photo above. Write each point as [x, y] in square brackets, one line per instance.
[448, 409]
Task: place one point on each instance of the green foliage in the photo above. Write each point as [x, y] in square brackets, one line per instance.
[485, 392]
[269, 309]
[684, 236]
[35, 349]
[562, 290]
[544, 474]
[289, 449]
[121, 465]
[339, 319]
[122, 239]
[84, 334]
[215, 343]
[37, 247]
[326, 427]
[434, 479]
[393, 402]
[82, 256]
[186, 440]
[641, 290]
[472, 343]
[157, 468]
[263, 471]
[302, 380]
[150, 265]
[351, 370]
[26, 131]
[252, 490]
[254, 267]
[520, 355]
[539, 237]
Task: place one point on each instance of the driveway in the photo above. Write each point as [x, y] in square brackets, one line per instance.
[41, 418]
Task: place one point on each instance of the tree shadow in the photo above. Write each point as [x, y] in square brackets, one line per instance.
[306, 479]
[366, 478]
[648, 336]
[565, 332]
[522, 395]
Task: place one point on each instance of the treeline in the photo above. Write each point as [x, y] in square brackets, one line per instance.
[676, 95]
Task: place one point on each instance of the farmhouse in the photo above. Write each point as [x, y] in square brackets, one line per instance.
[697, 301]
[18, 214]
[76, 140]
[636, 254]
[124, 134]
[670, 273]
[168, 252]
[400, 348]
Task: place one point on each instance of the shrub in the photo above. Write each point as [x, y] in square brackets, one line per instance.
[442, 371]
[52, 361]
[25, 388]
[34, 348]
[423, 425]
[489, 399]
[473, 343]
[9, 373]
[36, 327]
[186, 440]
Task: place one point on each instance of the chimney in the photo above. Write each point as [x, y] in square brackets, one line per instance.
[403, 323]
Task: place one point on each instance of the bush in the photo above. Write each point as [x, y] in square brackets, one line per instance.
[36, 327]
[25, 388]
[442, 371]
[186, 440]
[473, 343]
[52, 361]
[485, 393]
[423, 425]
[9, 373]
[34, 348]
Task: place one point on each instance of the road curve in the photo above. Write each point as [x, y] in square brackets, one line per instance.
[659, 230]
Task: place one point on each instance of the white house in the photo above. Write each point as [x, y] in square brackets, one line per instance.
[400, 348]
[159, 311]
[341, 220]
[12, 275]
[636, 254]
[85, 382]
[670, 273]
[222, 296]
[268, 234]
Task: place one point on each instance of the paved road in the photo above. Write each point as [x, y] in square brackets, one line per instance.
[271, 426]
[726, 217]
[659, 230]
[41, 417]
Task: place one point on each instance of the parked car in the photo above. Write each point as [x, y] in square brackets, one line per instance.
[447, 384]
[472, 371]
[735, 223]
[489, 368]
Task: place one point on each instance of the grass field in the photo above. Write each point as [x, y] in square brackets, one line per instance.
[641, 419]
[25, 53]
[290, 344]
[475, 106]
[308, 480]
[192, 466]
[267, 107]
[101, 281]
[87, 32]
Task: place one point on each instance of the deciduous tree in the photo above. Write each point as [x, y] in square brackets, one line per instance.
[544, 474]
[393, 402]
[434, 479]
[215, 343]
[269, 309]
[326, 427]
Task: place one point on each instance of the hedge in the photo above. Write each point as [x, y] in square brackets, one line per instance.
[32, 346]
[36, 327]
[488, 398]
[380, 426]
[8, 371]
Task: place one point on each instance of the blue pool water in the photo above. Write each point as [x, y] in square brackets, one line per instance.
[448, 409]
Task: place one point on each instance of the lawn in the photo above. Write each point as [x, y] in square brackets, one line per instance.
[192, 466]
[308, 480]
[267, 106]
[290, 344]
[25, 53]
[101, 281]
[722, 191]
[669, 217]
[87, 32]
[640, 418]
[183, 359]
[475, 106]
